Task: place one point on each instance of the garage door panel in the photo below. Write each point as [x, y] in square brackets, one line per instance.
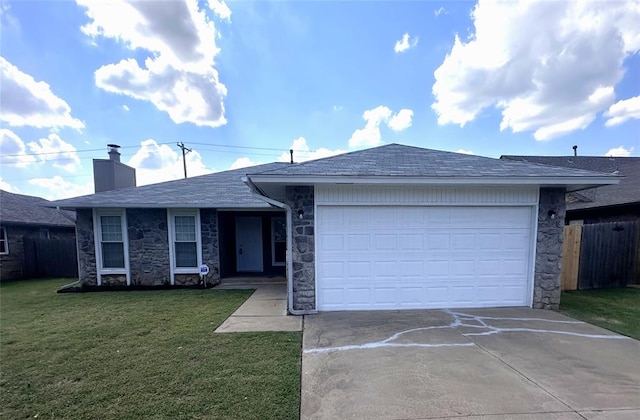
[422, 257]
[384, 242]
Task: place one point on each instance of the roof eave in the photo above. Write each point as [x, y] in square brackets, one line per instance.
[80, 205]
[579, 182]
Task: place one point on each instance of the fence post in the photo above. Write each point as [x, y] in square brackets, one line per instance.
[571, 257]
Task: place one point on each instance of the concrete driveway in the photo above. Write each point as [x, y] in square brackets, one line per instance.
[509, 363]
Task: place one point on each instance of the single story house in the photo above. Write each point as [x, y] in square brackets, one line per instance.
[23, 217]
[609, 203]
[392, 227]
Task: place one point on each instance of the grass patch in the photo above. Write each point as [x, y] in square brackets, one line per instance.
[147, 354]
[614, 309]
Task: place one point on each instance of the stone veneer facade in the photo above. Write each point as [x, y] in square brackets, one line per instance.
[86, 247]
[303, 240]
[550, 236]
[548, 259]
[149, 248]
[149, 262]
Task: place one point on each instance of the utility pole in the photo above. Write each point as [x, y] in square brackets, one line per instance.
[185, 150]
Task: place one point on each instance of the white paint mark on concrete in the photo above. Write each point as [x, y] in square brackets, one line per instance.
[380, 344]
[459, 318]
[501, 330]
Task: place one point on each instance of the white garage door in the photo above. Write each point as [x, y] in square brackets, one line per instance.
[422, 257]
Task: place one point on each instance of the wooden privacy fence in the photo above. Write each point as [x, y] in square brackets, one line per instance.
[50, 258]
[601, 255]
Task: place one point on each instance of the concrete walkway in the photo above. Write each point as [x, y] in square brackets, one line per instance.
[265, 310]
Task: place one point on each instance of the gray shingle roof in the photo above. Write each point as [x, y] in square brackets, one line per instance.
[408, 161]
[217, 190]
[29, 210]
[626, 192]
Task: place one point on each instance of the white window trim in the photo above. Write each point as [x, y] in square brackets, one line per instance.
[6, 242]
[171, 228]
[97, 232]
[273, 241]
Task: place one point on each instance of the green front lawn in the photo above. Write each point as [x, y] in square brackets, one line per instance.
[614, 309]
[143, 354]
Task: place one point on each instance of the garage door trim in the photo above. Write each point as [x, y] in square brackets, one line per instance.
[380, 196]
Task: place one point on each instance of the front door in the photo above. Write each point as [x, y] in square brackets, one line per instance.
[249, 244]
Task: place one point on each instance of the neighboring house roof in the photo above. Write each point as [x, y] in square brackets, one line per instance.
[217, 190]
[626, 192]
[29, 210]
[400, 162]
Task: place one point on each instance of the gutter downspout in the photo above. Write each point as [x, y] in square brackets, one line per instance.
[254, 190]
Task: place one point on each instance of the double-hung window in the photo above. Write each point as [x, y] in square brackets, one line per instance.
[111, 242]
[184, 233]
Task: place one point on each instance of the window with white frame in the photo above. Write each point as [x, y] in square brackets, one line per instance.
[185, 239]
[111, 237]
[4, 242]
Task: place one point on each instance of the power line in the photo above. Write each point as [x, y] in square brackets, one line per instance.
[160, 144]
[67, 151]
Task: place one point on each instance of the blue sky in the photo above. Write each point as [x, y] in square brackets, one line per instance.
[243, 82]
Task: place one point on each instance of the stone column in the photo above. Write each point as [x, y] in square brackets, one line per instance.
[550, 236]
[86, 247]
[303, 242]
[210, 249]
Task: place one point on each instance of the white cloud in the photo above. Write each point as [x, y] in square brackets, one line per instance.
[178, 76]
[221, 9]
[405, 43]
[56, 188]
[401, 121]
[4, 185]
[622, 111]
[465, 152]
[552, 83]
[619, 152]
[302, 152]
[370, 135]
[126, 108]
[243, 162]
[26, 102]
[440, 11]
[157, 163]
[185, 96]
[13, 150]
[53, 149]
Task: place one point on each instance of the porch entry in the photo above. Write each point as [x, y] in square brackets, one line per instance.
[249, 244]
[252, 243]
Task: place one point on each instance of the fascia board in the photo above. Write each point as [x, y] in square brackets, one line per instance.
[396, 180]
